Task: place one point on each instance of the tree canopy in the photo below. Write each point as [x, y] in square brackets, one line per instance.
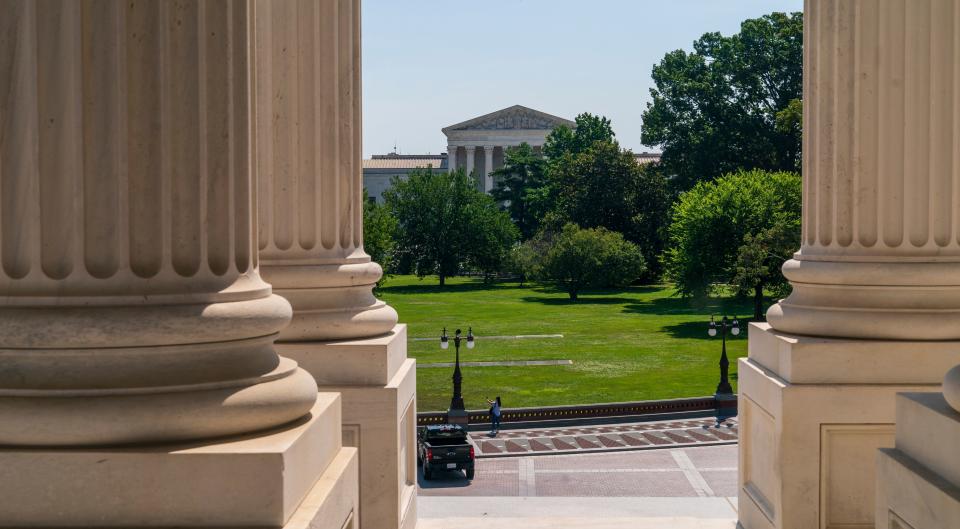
[379, 229]
[578, 258]
[720, 108]
[518, 187]
[445, 224]
[750, 216]
[592, 182]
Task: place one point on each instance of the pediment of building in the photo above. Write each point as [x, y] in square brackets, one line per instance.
[517, 117]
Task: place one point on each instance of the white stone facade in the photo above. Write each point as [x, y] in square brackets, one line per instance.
[478, 145]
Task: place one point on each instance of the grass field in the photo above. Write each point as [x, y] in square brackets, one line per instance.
[637, 343]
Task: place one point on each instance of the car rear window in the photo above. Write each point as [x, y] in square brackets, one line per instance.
[446, 437]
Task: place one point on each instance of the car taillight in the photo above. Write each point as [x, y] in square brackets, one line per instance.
[472, 456]
[429, 453]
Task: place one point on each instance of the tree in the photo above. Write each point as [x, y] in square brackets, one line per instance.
[589, 129]
[582, 258]
[602, 186]
[445, 224]
[759, 260]
[715, 110]
[491, 236]
[379, 229]
[711, 223]
[518, 183]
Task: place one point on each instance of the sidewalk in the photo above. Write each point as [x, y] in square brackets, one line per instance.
[576, 513]
[606, 438]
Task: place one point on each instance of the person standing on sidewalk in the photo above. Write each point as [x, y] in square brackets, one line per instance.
[494, 415]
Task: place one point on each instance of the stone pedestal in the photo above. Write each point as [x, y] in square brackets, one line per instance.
[140, 386]
[257, 480]
[918, 481]
[813, 411]
[875, 300]
[378, 384]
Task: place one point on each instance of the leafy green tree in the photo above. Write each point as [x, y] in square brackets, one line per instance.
[583, 258]
[715, 110]
[602, 186]
[518, 183]
[379, 229]
[589, 129]
[711, 222]
[759, 260]
[445, 224]
[492, 235]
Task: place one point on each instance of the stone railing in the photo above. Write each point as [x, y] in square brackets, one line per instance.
[592, 411]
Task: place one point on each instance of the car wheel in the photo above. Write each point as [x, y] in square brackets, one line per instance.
[427, 472]
[470, 473]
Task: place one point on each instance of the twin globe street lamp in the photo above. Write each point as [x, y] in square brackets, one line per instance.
[724, 388]
[457, 413]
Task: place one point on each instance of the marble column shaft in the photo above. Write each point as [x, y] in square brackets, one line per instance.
[311, 190]
[131, 308]
[452, 158]
[881, 198]
[471, 159]
[488, 168]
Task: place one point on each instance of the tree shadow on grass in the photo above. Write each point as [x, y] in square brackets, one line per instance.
[698, 330]
[551, 289]
[583, 300]
[677, 305]
[433, 288]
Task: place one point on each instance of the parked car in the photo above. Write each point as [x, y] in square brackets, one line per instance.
[445, 447]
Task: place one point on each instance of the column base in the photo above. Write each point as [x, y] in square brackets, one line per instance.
[266, 479]
[918, 482]
[378, 385]
[813, 412]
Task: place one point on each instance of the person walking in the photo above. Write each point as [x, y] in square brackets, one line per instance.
[495, 412]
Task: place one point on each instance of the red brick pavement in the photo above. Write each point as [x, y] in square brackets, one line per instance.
[664, 434]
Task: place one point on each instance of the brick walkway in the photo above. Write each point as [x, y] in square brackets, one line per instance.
[674, 472]
[604, 438]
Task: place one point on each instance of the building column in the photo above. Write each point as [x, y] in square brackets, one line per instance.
[451, 158]
[470, 151]
[131, 307]
[308, 117]
[876, 291]
[488, 169]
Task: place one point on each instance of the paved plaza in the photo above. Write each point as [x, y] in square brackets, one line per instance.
[607, 437]
[677, 487]
[706, 471]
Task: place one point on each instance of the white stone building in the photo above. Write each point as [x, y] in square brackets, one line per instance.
[477, 145]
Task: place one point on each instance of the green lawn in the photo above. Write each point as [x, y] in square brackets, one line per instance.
[636, 343]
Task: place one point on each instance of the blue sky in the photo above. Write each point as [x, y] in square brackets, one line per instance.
[431, 63]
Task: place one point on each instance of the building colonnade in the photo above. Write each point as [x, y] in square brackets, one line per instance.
[466, 157]
[141, 382]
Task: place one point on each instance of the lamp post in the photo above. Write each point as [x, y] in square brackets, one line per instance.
[457, 413]
[724, 388]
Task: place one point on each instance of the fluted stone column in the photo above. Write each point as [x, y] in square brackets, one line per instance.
[875, 307]
[471, 159]
[452, 158]
[139, 384]
[308, 122]
[311, 186]
[488, 169]
[881, 226]
[131, 307]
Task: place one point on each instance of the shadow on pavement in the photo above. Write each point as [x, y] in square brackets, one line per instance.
[442, 479]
